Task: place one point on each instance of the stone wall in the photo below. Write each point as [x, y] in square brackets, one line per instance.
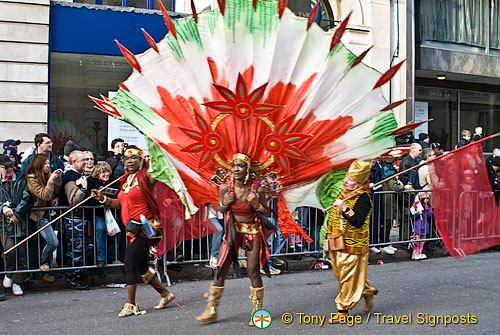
[24, 69]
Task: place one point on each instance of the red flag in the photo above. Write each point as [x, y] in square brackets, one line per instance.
[174, 227]
[465, 210]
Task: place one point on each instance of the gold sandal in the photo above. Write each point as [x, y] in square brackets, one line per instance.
[165, 301]
[130, 309]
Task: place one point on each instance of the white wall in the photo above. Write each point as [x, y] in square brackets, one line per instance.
[24, 71]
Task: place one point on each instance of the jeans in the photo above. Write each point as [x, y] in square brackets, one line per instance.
[275, 241]
[216, 239]
[311, 225]
[50, 238]
[100, 235]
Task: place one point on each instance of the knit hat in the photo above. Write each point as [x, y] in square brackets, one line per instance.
[422, 136]
[70, 147]
[359, 171]
[10, 151]
[11, 142]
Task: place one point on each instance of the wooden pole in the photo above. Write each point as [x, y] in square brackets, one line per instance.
[414, 167]
[59, 217]
[380, 182]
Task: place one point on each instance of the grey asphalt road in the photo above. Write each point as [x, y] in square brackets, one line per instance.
[431, 291]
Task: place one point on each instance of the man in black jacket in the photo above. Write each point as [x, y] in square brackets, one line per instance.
[116, 162]
[15, 203]
[408, 161]
[75, 190]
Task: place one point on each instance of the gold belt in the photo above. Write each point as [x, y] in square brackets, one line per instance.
[246, 228]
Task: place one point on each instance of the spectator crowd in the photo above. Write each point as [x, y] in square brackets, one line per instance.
[35, 190]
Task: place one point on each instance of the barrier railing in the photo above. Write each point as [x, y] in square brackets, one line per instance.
[82, 238]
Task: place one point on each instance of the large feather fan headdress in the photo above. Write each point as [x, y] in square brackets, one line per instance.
[252, 77]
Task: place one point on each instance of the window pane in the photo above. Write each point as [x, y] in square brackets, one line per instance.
[72, 113]
[167, 4]
[138, 3]
[483, 110]
[112, 2]
[443, 108]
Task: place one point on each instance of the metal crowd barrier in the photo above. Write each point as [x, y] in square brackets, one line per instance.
[391, 224]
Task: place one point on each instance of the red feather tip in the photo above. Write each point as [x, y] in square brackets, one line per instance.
[129, 57]
[150, 40]
[106, 107]
[255, 4]
[394, 104]
[281, 7]
[193, 10]
[339, 32]
[167, 19]
[222, 6]
[389, 74]
[360, 57]
[123, 87]
[312, 16]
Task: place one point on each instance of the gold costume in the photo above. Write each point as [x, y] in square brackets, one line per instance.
[351, 264]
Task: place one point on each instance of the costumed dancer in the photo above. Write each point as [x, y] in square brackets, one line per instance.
[136, 199]
[351, 218]
[241, 198]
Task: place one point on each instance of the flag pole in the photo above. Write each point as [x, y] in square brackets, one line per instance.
[380, 182]
[417, 166]
[59, 217]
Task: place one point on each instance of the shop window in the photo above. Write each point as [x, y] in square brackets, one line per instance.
[454, 110]
[72, 114]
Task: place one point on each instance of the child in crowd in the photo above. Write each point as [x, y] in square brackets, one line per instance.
[421, 226]
[466, 136]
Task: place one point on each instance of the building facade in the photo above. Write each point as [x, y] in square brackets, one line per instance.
[54, 54]
[457, 67]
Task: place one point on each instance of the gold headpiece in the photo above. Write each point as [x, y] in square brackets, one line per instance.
[133, 152]
[248, 162]
[244, 158]
[359, 171]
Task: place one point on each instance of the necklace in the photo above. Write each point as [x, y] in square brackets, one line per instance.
[131, 182]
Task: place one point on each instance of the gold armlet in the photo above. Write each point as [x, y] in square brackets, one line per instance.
[260, 208]
[221, 203]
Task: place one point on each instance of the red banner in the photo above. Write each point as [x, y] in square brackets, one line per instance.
[465, 210]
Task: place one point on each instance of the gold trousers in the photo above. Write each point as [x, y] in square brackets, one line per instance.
[350, 271]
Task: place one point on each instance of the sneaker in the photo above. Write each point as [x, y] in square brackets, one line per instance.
[392, 248]
[375, 250]
[273, 271]
[415, 257]
[213, 262]
[7, 282]
[16, 290]
[79, 286]
[422, 256]
[48, 278]
[117, 262]
[278, 262]
[45, 267]
[388, 250]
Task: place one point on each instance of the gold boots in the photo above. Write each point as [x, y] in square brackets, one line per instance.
[210, 312]
[165, 301]
[339, 317]
[130, 309]
[257, 297]
[369, 299]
